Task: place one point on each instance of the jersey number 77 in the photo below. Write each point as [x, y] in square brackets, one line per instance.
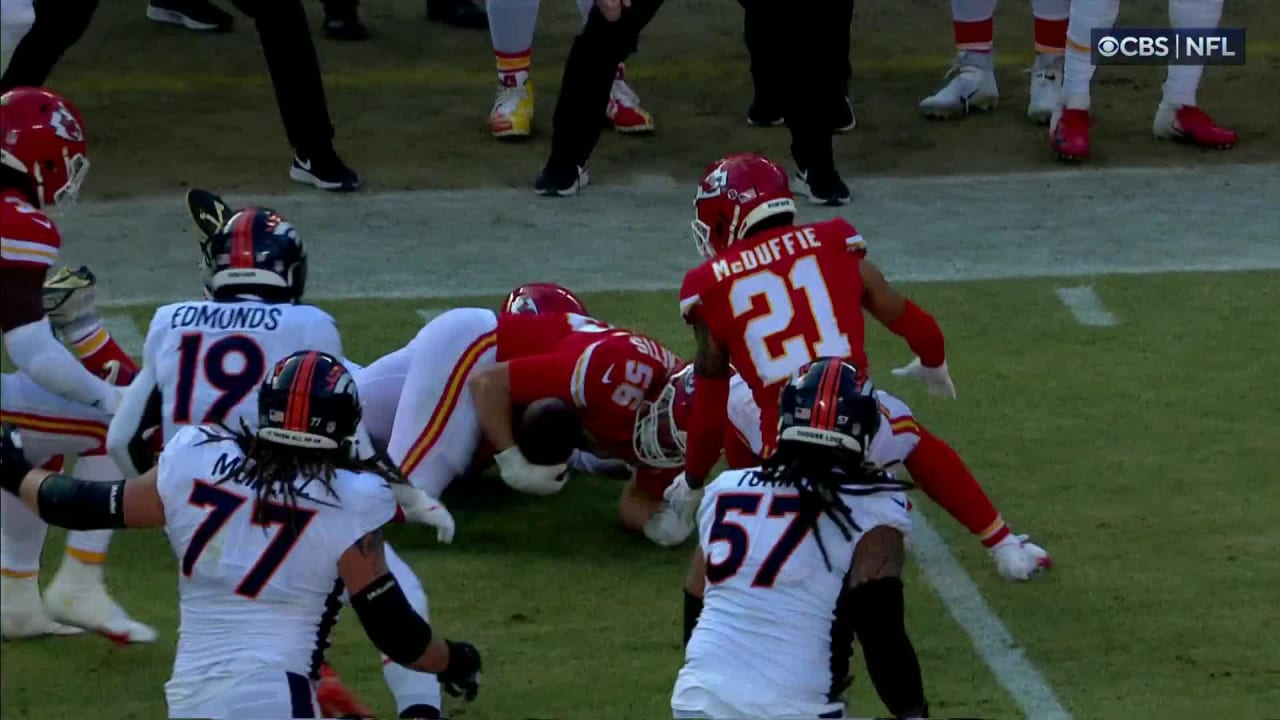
[222, 504]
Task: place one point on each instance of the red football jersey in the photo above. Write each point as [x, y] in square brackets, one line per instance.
[604, 372]
[28, 238]
[781, 300]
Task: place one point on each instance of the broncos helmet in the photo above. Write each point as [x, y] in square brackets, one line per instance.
[256, 252]
[309, 401]
[828, 414]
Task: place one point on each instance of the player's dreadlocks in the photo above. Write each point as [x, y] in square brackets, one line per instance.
[280, 474]
[823, 479]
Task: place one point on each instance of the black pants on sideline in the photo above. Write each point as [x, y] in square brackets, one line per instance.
[588, 76]
[295, 72]
[59, 25]
[800, 59]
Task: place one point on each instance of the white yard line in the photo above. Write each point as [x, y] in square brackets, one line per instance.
[125, 332]
[993, 641]
[1086, 306]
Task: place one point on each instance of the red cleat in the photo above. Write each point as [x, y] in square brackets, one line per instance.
[1190, 124]
[1069, 134]
[336, 700]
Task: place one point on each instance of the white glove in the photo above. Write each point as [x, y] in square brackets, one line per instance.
[937, 379]
[583, 461]
[520, 474]
[683, 500]
[420, 507]
[1017, 558]
[667, 528]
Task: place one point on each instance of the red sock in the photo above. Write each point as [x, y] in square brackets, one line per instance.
[940, 472]
[97, 348]
[513, 68]
[977, 36]
[1051, 36]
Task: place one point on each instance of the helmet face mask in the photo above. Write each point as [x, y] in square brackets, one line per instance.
[659, 437]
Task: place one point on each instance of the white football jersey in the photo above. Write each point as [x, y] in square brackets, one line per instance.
[379, 384]
[762, 646]
[255, 597]
[210, 358]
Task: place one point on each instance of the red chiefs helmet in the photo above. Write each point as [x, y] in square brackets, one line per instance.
[534, 298]
[42, 137]
[659, 435]
[736, 193]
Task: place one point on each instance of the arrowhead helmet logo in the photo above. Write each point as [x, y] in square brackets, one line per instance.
[65, 126]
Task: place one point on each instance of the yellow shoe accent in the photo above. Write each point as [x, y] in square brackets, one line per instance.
[512, 114]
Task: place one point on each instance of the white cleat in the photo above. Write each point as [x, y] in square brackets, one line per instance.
[22, 613]
[971, 85]
[1017, 558]
[77, 596]
[1046, 88]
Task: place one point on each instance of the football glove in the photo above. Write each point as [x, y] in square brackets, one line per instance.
[207, 211]
[13, 464]
[69, 302]
[420, 507]
[583, 461]
[936, 379]
[1017, 558]
[462, 676]
[683, 500]
[520, 474]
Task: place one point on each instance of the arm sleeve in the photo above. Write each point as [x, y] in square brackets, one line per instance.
[707, 420]
[544, 376]
[128, 422]
[37, 353]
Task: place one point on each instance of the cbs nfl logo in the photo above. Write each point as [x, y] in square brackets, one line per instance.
[1167, 46]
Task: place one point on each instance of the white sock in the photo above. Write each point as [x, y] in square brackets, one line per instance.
[1051, 9]
[21, 538]
[409, 687]
[1078, 71]
[511, 25]
[90, 546]
[1184, 80]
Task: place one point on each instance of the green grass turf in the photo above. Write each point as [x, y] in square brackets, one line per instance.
[1142, 456]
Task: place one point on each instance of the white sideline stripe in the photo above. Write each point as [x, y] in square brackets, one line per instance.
[1085, 304]
[993, 641]
[125, 332]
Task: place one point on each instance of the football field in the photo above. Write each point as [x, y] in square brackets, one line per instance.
[1112, 337]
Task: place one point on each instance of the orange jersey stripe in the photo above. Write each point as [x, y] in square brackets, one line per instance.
[444, 409]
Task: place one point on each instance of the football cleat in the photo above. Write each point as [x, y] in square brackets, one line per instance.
[512, 113]
[765, 113]
[624, 109]
[207, 211]
[68, 296]
[1046, 88]
[1017, 558]
[22, 613]
[1069, 134]
[1190, 124]
[77, 596]
[971, 85]
[335, 699]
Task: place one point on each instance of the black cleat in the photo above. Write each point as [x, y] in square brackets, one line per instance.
[561, 184]
[824, 187]
[200, 15]
[207, 210]
[324, 170]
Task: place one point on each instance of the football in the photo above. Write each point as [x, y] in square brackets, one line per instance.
[547, 431]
